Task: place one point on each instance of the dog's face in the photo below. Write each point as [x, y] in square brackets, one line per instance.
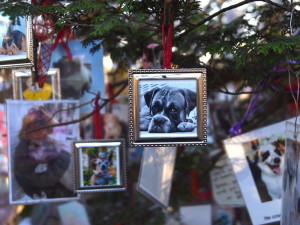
[169, 106]
[270, 159]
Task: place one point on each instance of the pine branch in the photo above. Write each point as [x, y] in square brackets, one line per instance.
[227, 9]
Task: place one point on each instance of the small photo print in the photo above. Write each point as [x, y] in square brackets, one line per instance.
[99, 165]
[171, 107]
[40, 160]
[265, 158]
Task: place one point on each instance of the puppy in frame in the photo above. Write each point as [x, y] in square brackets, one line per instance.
[271, 163]
[167, 110]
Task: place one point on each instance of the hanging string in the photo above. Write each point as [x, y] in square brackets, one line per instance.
[167, 45]
[236, 128]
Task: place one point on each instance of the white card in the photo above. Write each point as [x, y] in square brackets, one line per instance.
[156, 173]
[260, 184]
[225, 188]
[195, 215]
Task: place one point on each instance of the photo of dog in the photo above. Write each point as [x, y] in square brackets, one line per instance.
[266, 161]
[12, 40]
[167, 109]
[99, 166]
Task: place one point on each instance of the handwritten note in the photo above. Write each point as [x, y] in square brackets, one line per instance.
[225, 188]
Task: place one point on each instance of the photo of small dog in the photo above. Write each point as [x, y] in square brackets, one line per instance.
[271, 162]
[166, 109]
[266, 162]
[12, 41]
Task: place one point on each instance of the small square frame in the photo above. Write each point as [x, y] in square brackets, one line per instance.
[143, 81]
[24, 76]
[25, 59]
[84, 173]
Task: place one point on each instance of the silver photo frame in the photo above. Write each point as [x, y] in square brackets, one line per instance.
[16, 43]
[99, 165]
[24, 90]
[167, 107]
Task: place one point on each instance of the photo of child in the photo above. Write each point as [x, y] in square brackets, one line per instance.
[40, 159]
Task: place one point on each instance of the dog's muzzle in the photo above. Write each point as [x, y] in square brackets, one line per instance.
[161, 124]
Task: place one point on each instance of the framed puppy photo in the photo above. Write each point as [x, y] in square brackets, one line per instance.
[167, 107]
[99, 165]
[40, 154]
[24, 90]
[257, 158]
[16, 42]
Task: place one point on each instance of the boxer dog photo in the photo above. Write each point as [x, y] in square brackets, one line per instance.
[167, 110]
[167, 107]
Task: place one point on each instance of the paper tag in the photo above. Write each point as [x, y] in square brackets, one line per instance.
[156, 173]
[73, 213]
[225, 189]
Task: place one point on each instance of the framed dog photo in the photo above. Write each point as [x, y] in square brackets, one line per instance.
[16, 42]
[167, 107]
[99, 165]
[40, 155]
[257, 158]
[24, 90]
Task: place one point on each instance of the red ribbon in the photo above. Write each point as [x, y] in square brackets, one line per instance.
[167, 45]
[97, 118]
[63, 34]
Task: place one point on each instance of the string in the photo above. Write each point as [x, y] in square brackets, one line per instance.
[236, 128]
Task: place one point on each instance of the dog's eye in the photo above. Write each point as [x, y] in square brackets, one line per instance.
[173, 110]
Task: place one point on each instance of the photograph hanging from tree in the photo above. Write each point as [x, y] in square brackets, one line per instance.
[258, 158]
[39, 152]
[23, 88]
[99, 165]
[168, 105]
[16, 46]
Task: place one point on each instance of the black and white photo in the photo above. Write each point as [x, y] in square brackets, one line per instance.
[168, 105]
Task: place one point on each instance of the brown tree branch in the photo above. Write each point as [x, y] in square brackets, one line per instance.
[106, 101]
[227, 9]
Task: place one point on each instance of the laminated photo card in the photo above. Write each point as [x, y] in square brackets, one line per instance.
[40, 160]
[257, 158]
[291, 176]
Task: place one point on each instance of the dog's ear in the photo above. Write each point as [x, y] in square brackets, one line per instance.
[149, 95]
[190, 98]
